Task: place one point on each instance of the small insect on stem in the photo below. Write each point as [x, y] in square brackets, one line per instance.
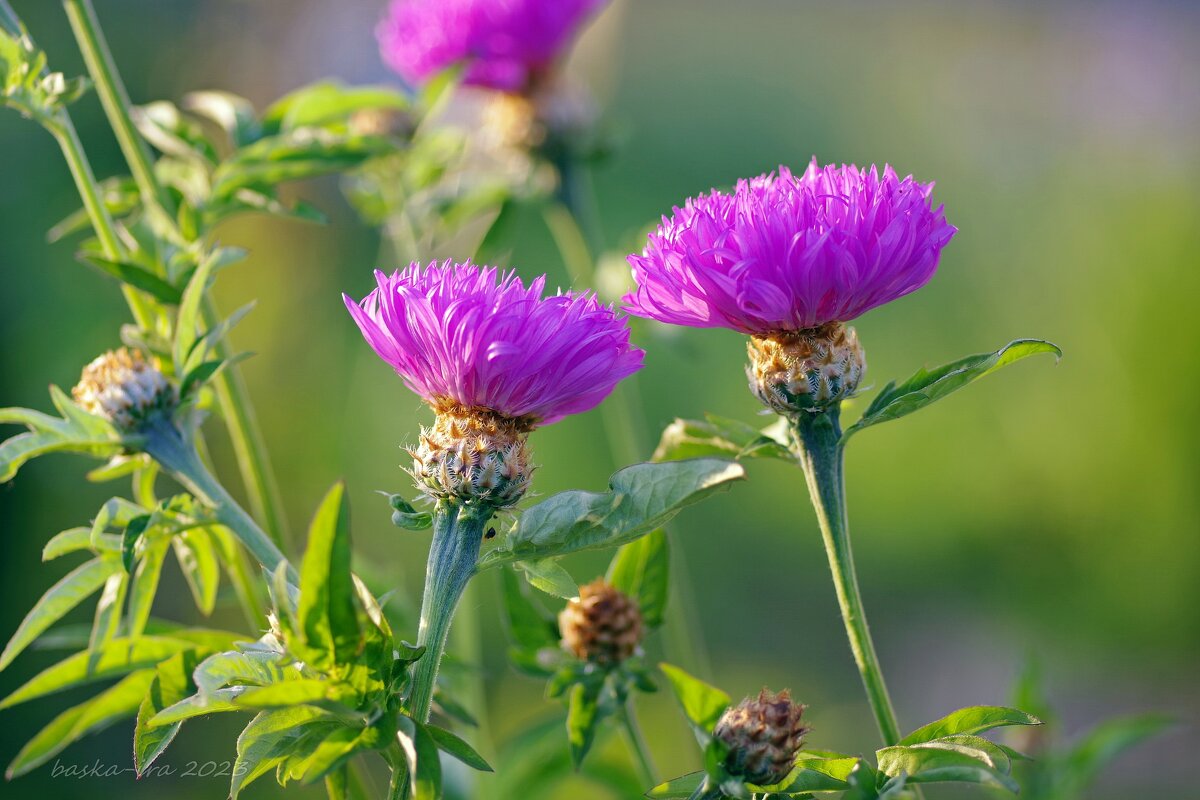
[491, 533]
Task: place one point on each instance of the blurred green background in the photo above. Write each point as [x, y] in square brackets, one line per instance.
[1051, 511]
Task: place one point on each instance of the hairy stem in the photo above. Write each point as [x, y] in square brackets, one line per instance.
[637, 744]
[457, 536]
[816, 438]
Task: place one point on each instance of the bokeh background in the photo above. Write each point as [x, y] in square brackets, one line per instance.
[1050, 512]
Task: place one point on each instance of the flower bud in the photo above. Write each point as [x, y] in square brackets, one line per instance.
[807, 370]
[126, 389]
[603, 625]
[473, 454]
[763, 734]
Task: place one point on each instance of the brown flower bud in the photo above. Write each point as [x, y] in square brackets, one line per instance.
[764, 734]
[805, 371]
[473, 454]
[603, 625]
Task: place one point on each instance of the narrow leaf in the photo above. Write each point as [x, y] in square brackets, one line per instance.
[702, 704]
[447, 742]
[326, 612]
[172, 683]
[972, 720]
[641, 570]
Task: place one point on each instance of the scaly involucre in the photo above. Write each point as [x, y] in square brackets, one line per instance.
[787, 253]
[473, 336]
[505, 44]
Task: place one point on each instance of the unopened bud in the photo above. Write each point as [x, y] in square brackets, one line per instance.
[603, 625]
[126, 389]
[811, 370]
[763, 734]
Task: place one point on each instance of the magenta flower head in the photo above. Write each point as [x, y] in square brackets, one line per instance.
[788, 260]
[506, 44]
[494, 359]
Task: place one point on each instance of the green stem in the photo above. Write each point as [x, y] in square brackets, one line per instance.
[457, 536]
[178, 456]
[637, 744]
[67, 137]
[249, 447]
[816, 438]
[115, 99]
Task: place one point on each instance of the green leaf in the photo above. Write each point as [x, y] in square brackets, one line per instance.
[583, 715]
[188, 319]
[267, 740]
[321, 752]
[144, 585]
[421, 755]
[1105, 743]
[198, 559]
[641, 570]
[930, 763]
[326, 612]
[197, 705]
[231, 113]
[108, 610]
[73, 540]
[60, 598]
[702, 704]
[245, 668]
[447, 742]
[134, 275]
[722, 437]
[111, 705]
[641, 498]
[929, 386]
[25, 446]
[530, 627]
[117, 657]
[820, 774]
[329, 102]
[294, 156]
[972, 720]
[550, 577]
[679, 788]
[172, 683]
[407, 517]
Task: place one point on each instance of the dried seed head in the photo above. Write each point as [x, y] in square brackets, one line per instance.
[805, 371]
[764, 734]
[126, 389]
[473, 454]
[603, 625]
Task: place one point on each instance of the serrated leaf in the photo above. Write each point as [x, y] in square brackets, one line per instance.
[929, 386]
[550, 577]
[641, 569]
[59, 599]
[326, 613]
[972, 720]
[928, 763]
[117, 657]
[111, 705]
[449, 743]
[421, 754]
[641, 498]
[702, 704]
[172, 683]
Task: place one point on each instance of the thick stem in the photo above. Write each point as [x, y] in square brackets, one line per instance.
[457, 535]
[816, 438]
[637, 744]
[169, 448]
